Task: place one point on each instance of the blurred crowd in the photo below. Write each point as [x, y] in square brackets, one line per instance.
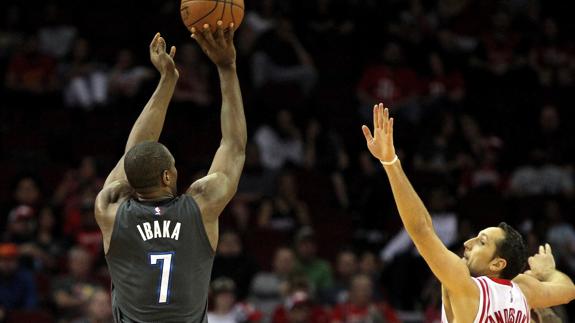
[482, 92]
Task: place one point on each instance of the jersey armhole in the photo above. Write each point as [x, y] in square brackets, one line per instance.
[116, 226]
[484, 304]
[200, 221]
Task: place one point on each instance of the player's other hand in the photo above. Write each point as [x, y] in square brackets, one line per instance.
[380, 143]
[219, 46]
[542, 264]
[162, 60]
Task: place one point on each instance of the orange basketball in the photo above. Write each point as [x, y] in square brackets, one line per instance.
[196, 13]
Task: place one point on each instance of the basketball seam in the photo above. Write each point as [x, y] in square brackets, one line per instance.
[232, 12]
[218, 1]
[206, 15]
[223, 10]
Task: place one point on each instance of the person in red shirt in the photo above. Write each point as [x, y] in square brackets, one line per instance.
[299, 308]
[361, 307]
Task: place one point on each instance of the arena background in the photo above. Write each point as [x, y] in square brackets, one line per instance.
[482, 92]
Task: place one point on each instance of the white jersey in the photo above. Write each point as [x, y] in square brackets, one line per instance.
[500, 300]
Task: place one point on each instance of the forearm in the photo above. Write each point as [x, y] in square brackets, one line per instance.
[558, 277]
[149, 124]
[233, 121]
[412, 211]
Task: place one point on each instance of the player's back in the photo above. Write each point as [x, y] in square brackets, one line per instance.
[160, 261]
[500, 300]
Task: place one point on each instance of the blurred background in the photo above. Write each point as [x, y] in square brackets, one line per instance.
[482, 92]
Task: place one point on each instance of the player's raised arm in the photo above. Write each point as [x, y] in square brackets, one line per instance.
[215, 190]
[542, 284]
[447, 267]
[149, 124]
[148, 127]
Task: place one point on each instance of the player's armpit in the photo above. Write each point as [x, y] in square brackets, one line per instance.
[112, 193]
[450, 269]
[544, 294]
[117, 174]
[212, 193]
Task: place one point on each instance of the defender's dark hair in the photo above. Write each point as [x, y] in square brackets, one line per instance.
[145, 163]
[512, 248]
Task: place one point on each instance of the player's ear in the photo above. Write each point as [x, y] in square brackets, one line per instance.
[166, 177]
[498, 264]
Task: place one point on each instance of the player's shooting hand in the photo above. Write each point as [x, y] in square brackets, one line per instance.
[219, 46]
[163, 61]
[380, 144]
[542, 264]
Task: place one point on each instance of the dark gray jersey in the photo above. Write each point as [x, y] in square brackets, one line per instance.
[160, 261]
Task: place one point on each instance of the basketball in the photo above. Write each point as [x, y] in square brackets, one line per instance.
[196, 13]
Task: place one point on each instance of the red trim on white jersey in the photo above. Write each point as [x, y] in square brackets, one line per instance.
[499, 299]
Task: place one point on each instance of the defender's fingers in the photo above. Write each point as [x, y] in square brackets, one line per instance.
[385, 120]
[374, 117]
[161, 45]
[173, 52]
[367, 133]
[548, 249]
[542, 250]
[390, 131]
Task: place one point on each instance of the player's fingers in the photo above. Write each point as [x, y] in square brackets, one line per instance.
[385, 120]
[390, 131]
[161, 45]
[230, 33]
[374, 117]
[199, 37]
[367, 133]
[530, 261]
[541, 250]
[548, 249]
[173, 52]
[220, 33]
[154, 40]
[207, 32]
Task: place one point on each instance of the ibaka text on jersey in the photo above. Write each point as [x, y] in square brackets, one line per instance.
[153, 230]
[507, 316]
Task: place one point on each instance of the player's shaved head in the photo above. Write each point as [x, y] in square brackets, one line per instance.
[145, 163]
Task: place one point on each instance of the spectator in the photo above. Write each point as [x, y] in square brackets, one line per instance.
[560, 234]
[232, 261]
[21, 225]
[281, 143]
[299, 308]
[389, 81]
[98, 308]
[285, 211]
[194, 86]
[346, 267]
[281, 58]
[317, 270]
[31, 72]
[361, 306]
[269, 288]
[87, 84]
[126, 78]
[325, 152]
[55, 35]
[17, 286]
[225, 309]
[72, 291]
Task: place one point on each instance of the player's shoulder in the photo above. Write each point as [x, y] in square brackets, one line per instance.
[113, 193]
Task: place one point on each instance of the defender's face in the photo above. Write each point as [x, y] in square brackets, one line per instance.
[479, 254]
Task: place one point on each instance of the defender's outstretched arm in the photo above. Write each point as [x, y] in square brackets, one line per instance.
[446, 266]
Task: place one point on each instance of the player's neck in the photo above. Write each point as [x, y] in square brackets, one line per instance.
[158, 195]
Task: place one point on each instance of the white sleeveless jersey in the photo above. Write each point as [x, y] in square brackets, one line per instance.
[500, 301]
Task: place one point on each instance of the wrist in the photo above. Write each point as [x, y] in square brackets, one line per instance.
[228, 67]
[385, 163]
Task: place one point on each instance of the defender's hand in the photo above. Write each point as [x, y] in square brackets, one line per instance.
[380, 144]
[219, 46]
[163, 61]
[542, 264]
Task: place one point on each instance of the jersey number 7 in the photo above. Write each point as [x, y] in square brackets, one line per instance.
[164, 261]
